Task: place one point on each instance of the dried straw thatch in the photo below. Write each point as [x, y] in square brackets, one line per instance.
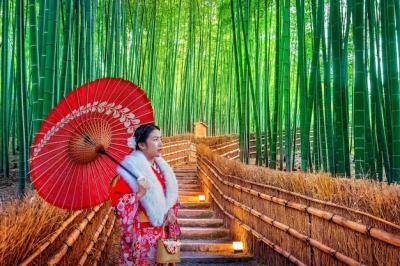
[315, 218]
[26, 225]
[284, 218]
[214, 142]
[32, 232]
[177, 138]
[377, 198]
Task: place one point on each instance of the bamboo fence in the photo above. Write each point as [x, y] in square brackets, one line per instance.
[276, 223]
[228, 146]
[279, 226]
[75, 241]
[179, 152]
[82, 237]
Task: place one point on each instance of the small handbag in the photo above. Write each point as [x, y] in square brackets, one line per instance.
[168, 250]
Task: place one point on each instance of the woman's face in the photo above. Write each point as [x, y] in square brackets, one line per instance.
[152, 147]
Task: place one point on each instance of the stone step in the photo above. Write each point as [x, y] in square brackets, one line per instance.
[203, 233]
[179, 174]
[218, 245]
[188, 189]
[188, 182]
[194, 187]
[188, 166]
[188, 170]
[187, 178]
[188, 199]
[185, 169]
[190, 213]
[198, 222]
[195, 205]
[213, 257]
[190, 193]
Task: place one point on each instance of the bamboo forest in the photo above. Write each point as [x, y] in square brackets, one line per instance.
[278, 120]
[326, 70]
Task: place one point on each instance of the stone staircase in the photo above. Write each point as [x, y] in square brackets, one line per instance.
[205, 239]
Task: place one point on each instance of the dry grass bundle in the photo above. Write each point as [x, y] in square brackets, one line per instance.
[25, 225]
[215, 141]
[179, 152]
[180, 137]
[294, 212]
[377, 198]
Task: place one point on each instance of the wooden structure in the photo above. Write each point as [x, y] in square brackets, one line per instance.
[200, 129]
[276, 226]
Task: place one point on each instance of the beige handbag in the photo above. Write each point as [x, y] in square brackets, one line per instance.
[168, 250]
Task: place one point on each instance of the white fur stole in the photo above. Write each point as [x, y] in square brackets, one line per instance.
[155, 202]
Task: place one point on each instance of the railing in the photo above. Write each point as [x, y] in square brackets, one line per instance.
[83, 237]
[231, 150]
[179, 152]
[281, 226]
[79, 240]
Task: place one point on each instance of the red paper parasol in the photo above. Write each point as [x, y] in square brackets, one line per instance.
[70, 156]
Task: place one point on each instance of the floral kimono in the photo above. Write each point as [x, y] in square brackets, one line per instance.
[141, 221]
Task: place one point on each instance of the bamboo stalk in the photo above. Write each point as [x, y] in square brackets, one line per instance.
[235, 143]
[72, 238]
[94, 239]
[176, 159]
[224, 144]
[234, 158]
[52, 239]
[384, 236]
[101, 248]
[229, 152]
[177, 143]
[175, 152]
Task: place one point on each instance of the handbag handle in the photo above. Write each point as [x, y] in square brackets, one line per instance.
[163, 230]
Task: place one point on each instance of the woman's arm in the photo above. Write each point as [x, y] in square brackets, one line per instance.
[172, 214]
[121, 188]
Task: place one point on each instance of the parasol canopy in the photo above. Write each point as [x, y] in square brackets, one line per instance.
[70, 156]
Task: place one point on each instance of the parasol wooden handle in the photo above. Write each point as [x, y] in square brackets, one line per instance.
[100, 149]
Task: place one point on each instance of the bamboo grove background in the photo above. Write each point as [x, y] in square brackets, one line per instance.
[326, 70]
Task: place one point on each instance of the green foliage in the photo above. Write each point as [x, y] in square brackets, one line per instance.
[326, 69]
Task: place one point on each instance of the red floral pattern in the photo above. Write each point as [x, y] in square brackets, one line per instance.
[139, 240]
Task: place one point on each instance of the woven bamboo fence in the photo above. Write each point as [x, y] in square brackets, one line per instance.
[252, 142]
[79, 240]
[227, 146]
[33, 232]
[179, 152]
[284, 228]
[64, 238]
[279, 226]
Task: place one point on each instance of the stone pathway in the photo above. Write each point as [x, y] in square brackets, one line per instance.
[205, 239]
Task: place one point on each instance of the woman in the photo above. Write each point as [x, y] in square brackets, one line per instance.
[145, 204]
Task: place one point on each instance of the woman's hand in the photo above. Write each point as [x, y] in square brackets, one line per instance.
[171, 217]
[143, 187]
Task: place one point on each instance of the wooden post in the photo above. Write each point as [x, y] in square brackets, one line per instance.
[200, 129]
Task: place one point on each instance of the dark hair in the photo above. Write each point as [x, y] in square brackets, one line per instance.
[142, 133]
